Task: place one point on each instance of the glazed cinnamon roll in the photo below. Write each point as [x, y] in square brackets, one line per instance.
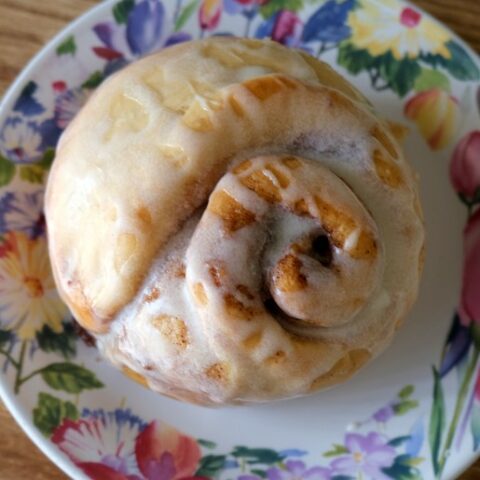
[234, 223]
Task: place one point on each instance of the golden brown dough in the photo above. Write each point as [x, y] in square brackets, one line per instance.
[234, 223]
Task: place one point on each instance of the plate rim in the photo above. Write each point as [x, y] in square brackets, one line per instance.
[15, 408]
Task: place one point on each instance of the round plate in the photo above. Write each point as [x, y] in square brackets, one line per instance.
[414, 413]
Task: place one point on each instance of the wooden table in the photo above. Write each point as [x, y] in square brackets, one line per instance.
[19, 41]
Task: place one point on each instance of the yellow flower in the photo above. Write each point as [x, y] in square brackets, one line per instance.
[436, 114]
[382, 26]
[28, 298]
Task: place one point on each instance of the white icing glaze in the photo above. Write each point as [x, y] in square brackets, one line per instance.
[126, 209]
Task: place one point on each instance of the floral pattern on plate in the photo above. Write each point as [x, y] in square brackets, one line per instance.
[119, 445]
[412, 57]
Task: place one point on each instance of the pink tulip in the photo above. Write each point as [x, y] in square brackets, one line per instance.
[287, 28]
[162, 452]
[469, 309]
[465, 165]
[209, 14]
[252, 2]
[477, 388]
[436, 114]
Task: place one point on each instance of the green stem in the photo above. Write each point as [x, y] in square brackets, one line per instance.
[470, 209]
[9, 357]
[18, 375]
[321, 49]
[178, 5]
[21, 381]
[325, 48]
[460, 403]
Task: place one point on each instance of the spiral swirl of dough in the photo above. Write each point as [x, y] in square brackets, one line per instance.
[234, 223]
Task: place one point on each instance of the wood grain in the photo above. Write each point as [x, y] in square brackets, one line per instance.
[25, 27]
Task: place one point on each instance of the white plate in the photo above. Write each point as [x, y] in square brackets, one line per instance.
[398, 418]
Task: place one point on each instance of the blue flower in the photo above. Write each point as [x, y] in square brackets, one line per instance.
[26, 103]
[67, 104]
[297, 470]
[328, 23]
[284, 27]
[49, 132]
[22, 212]
[144, 26]
[417, 435]
[20, 140]
[105, 440]
[118, 418]
[142, 34]
[456, 347]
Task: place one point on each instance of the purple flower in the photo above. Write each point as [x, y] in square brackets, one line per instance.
[20, 141]
[68, 103]
[144, 26]
[297, 470]
[26, 102]
[284, 27]
[368, 455]
[22, 212]
[143, 33]
[329, 22]
[248, 8]
[384, 414]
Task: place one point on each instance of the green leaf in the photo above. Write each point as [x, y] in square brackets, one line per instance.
[206, 443]
[68, 46]
[51, 411]
[437, 420]
[401, 471]
[257, 455]
[461, 65]
[69, 377]
[406, 391]
[429, 79]
[7, 171]
[185, 14]
[122, 9]
[46, 161]
[397, 441]
[63, 343]
[399, 75]
[413, 461]
[273, 6]
[5, 337]
[94, 80]
[404, 406]
[210, 465]
[259, 473]
[336, 450]
[353, 59]
[32, 173]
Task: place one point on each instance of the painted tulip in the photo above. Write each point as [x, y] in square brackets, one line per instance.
[469, 309]
[251, 2]
[164, 453]
[465, 165]
[287, 28]
[209, 14]
[436, 114]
